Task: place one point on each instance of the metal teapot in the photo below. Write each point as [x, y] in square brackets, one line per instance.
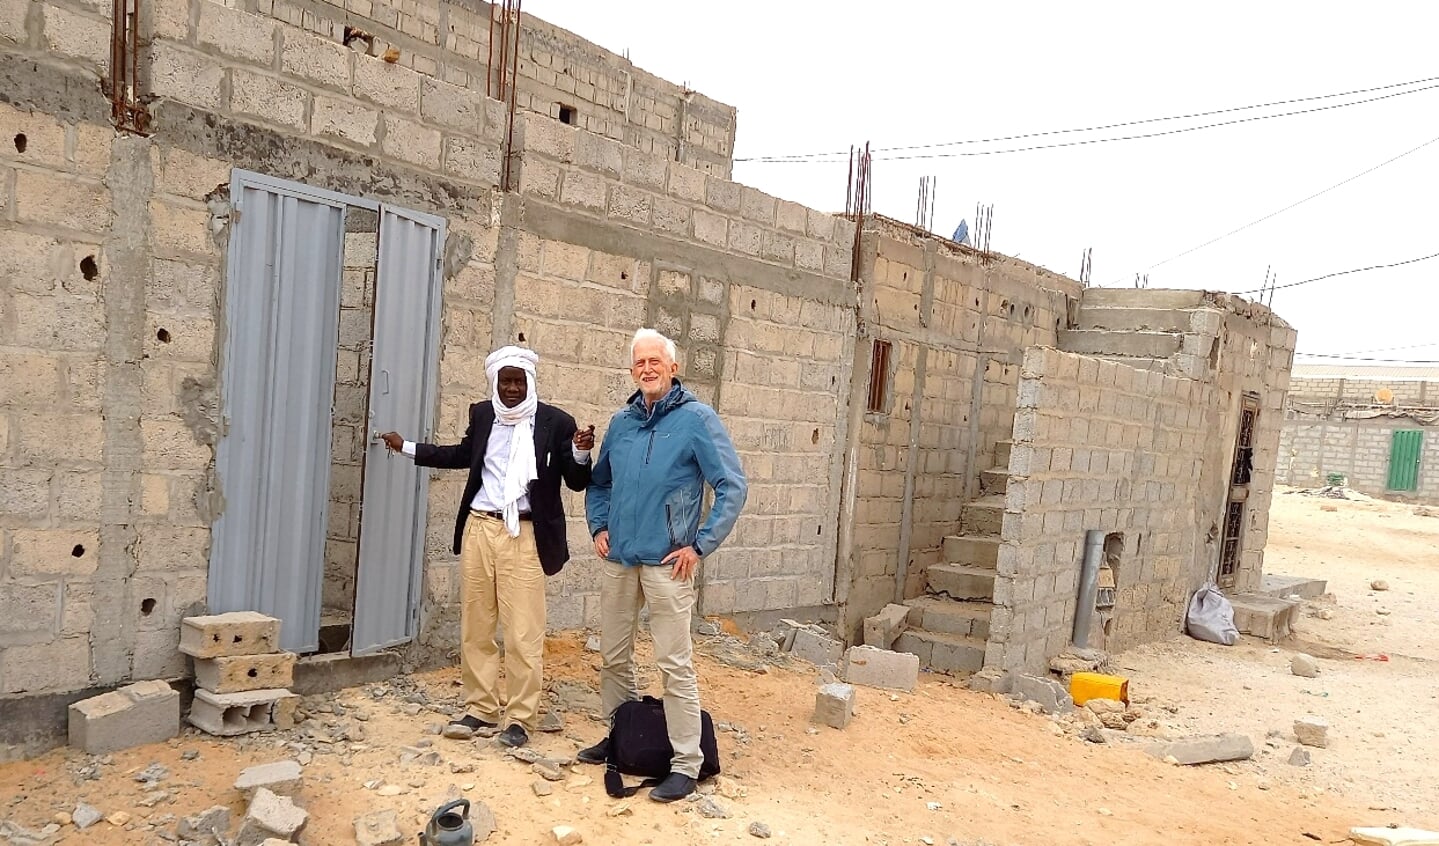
[448, 828]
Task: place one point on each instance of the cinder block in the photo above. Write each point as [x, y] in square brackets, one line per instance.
[143, 712]
[1050, 694]
[1206, 750]
[881, 629]
[960, 581]
[816, 647]
[873, 667]
[279, 777]
[239, 673]
[235, 633]
[227, 714]
[784, 632]
[270, 816]
[834, 705]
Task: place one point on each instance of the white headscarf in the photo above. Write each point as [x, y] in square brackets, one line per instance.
[520, 470]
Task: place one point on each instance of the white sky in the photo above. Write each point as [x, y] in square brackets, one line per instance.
[817, 77]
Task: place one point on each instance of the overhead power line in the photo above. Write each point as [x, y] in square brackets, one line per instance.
[1428, 84]
[1292, 205]
[1342, 273]
[1374, 360]
[1367, 352]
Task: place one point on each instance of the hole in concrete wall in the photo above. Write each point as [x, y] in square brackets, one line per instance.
[624, 274]
[89, 269]
[567, 115]
[147, 606]
[752, 304]
[78, 551]
[1026, 312]
[814, 436]
[819, 530]
[252, 673]
[21, 142]
[238, 639]
[162, 335]
[522, 337]
[1214, 355]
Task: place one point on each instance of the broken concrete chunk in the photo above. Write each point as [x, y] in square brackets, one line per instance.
[873, 667]
[270, 816]
[815, 646]
[566, 836]
[279, 777]
[834, 705]
[235, 633]
[136, 714]
[212, 823]
[86, 816]
[1312, 731]
[236, 673]
[1299, 757]
[784, 632]
[1205, 750]
[760, 830]
[1050, 694]
[1393, 837]
[1303, 666]
[882, 629]
[380, 828]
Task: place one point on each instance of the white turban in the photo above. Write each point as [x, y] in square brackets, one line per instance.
[521, 468]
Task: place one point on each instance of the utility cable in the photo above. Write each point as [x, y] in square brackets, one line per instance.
[1339, 273]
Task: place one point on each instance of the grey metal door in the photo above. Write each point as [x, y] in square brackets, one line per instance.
[276, 386]
[402, 399]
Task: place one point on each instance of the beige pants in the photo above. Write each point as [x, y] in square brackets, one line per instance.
[503, 583]
[623, 590]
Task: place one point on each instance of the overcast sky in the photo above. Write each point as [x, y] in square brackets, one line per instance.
[811, 77]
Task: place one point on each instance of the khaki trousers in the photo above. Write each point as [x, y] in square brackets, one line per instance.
[502, 582]
[623, 590]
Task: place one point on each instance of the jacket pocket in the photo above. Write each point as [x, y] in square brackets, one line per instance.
[682, 518]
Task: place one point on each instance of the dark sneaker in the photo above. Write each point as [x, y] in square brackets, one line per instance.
[465, 727]
[675, 786]
[514, 737]
[597, 754]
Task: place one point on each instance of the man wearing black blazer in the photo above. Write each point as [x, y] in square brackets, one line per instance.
[509, 535]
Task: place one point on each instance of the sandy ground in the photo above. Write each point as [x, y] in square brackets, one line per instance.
[941, 765]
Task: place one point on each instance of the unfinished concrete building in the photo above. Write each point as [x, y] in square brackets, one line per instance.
[317, 218]
[1373, 427]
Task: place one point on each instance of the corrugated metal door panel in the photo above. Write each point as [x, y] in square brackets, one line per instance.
[277, 384]
[1404, 455]
[402, 398]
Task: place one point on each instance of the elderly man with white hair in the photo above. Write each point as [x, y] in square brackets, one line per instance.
[509, 535]
[644, 505]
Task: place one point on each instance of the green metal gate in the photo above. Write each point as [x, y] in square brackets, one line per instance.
[1404, 459]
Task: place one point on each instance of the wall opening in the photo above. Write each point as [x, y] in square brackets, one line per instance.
[878, 376]
[567, 115]
[1107, 581]
[1240, 474]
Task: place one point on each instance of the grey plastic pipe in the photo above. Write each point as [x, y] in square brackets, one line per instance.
[1088, 586]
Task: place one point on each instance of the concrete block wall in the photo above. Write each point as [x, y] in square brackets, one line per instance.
[1312, 447]
[755, 292]
[444, 48]
[1097, 445]
[1325, 391]
[958, 327]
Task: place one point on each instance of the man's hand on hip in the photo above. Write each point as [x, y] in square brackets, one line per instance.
[602, 543]
[684, 561]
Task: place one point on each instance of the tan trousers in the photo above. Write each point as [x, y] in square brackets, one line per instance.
[623, 590]
[502, 582]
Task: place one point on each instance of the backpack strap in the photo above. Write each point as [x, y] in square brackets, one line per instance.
[615, 783]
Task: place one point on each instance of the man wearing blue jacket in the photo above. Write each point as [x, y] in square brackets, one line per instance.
[644, 505]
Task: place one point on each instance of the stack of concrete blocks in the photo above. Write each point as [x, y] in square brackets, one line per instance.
[143, 712]
[242, 679]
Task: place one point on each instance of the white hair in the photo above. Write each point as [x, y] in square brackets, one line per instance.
[652, 335]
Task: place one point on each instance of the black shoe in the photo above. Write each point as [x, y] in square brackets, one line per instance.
[465, 727]
[675, 786]
[514, 737]
[597, 754]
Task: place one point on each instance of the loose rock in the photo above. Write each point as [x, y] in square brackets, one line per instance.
[1299, 757]
[1378, 584]
[86, 816]
[381, 828]
[566, 836]
[1304, 666]
[542, 788]
[213, 822]
[548, 771]
[760, 830]
[1312, 731]
[711, 809]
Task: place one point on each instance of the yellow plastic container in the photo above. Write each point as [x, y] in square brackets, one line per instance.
[1086, 686]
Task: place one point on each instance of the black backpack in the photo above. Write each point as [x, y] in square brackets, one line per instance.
[640, 746]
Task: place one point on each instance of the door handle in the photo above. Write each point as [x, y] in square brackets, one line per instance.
[384, 382]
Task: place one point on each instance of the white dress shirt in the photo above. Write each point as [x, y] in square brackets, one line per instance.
[492, 474]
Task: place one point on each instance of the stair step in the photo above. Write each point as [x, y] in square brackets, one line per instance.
[975, 551]
[1283, 587]
[994, 481]
[950, 616]
[961, 581]
[1104, 342]
[1158, 365]
[945, 653]
[982, 517]
[1001, 454]
[1128, 319]
[1263, 616]
[1141, 298]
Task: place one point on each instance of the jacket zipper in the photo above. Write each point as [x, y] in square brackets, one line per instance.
[650, 449]
[670, 526]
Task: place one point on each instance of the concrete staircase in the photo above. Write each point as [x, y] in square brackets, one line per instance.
[1168, 331]
[949, 624]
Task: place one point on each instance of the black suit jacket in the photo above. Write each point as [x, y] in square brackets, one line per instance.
[554, 460]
